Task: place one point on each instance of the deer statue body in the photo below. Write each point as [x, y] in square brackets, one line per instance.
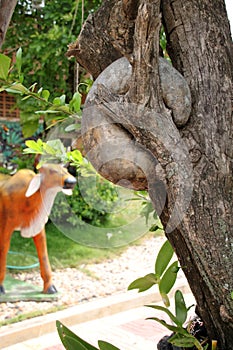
[26, 200]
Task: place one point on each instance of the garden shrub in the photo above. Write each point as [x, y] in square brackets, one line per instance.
[92, 201]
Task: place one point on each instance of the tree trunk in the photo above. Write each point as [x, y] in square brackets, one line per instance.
[200, 46]
[7, 8]
[195, 157]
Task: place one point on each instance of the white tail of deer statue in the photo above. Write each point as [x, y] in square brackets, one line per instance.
[26, 200]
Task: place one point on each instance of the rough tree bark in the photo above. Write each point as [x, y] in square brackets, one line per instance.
[195, 159]
[6, 10]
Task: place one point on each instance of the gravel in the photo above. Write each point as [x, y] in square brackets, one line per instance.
[89, 281]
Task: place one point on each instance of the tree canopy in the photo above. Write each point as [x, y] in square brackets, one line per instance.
[43, 29]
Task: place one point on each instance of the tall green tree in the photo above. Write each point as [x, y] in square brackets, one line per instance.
[43, 29]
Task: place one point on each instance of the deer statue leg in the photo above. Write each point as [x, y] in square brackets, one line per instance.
[45, 269]
[4, 247]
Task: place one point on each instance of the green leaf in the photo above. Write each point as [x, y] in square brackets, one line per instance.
[154, 228]
[75, 156]
[167, 325]
[57, 101]
[165, 299]
[167, 311]
[57, 146]
[21, 78]
[183, 340]
[75, 103]
[34, 146]
[18, 88]
[5, 63]
[48, 111]
[169, 278]
[147, 210]
[180, 307]
[66, 335]
[18, 62]
[103, 345]
[48, 149]
[30, 127]
[65, 109]
[62, 99]
[45, 94]
[231, 295]
[32, 87]
[25, 98]
[144, 283]
[70, 343]
[73, 127]
[163, 258]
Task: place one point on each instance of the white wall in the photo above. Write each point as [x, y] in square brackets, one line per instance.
[229, 6]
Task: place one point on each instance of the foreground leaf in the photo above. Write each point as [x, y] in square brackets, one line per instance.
[169, 278]
[181, 309]
[33, 146]
[18, 88]
[163, 258]
[144, 283]
[18, 62]
[167, 325]
[4, 66]
[167, 311]
[183, 340]
[103, 345]
[70, 340]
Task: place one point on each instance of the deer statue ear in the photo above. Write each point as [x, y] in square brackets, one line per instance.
[34, 185]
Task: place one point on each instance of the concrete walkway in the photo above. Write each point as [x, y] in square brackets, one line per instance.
[119, 319]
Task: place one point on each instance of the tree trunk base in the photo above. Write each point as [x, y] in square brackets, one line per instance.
[196, 328]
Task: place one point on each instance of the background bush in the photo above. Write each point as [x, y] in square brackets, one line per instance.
[92, 202]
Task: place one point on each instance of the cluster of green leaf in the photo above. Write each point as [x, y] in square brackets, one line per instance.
[95, 187]
[90, 205]
[44, 32]
[12, 143]
[164, 277]
[72, 342]
[53, 109]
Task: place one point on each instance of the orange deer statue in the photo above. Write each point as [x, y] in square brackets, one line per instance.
[26, 200]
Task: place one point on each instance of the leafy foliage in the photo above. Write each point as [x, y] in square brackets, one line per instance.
[164, 275]
[44, 32]
[12, 143]
[36, 103]
[37, 40]
[95, 189]
[181, 336]
[91, 204]
[72, 342]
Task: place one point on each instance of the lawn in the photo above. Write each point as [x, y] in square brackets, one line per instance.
[125, 226]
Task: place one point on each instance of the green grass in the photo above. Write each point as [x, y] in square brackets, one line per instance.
[65, 252]
[23, 317]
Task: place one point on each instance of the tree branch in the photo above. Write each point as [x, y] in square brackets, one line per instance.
[7, 8]
[106, 36]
